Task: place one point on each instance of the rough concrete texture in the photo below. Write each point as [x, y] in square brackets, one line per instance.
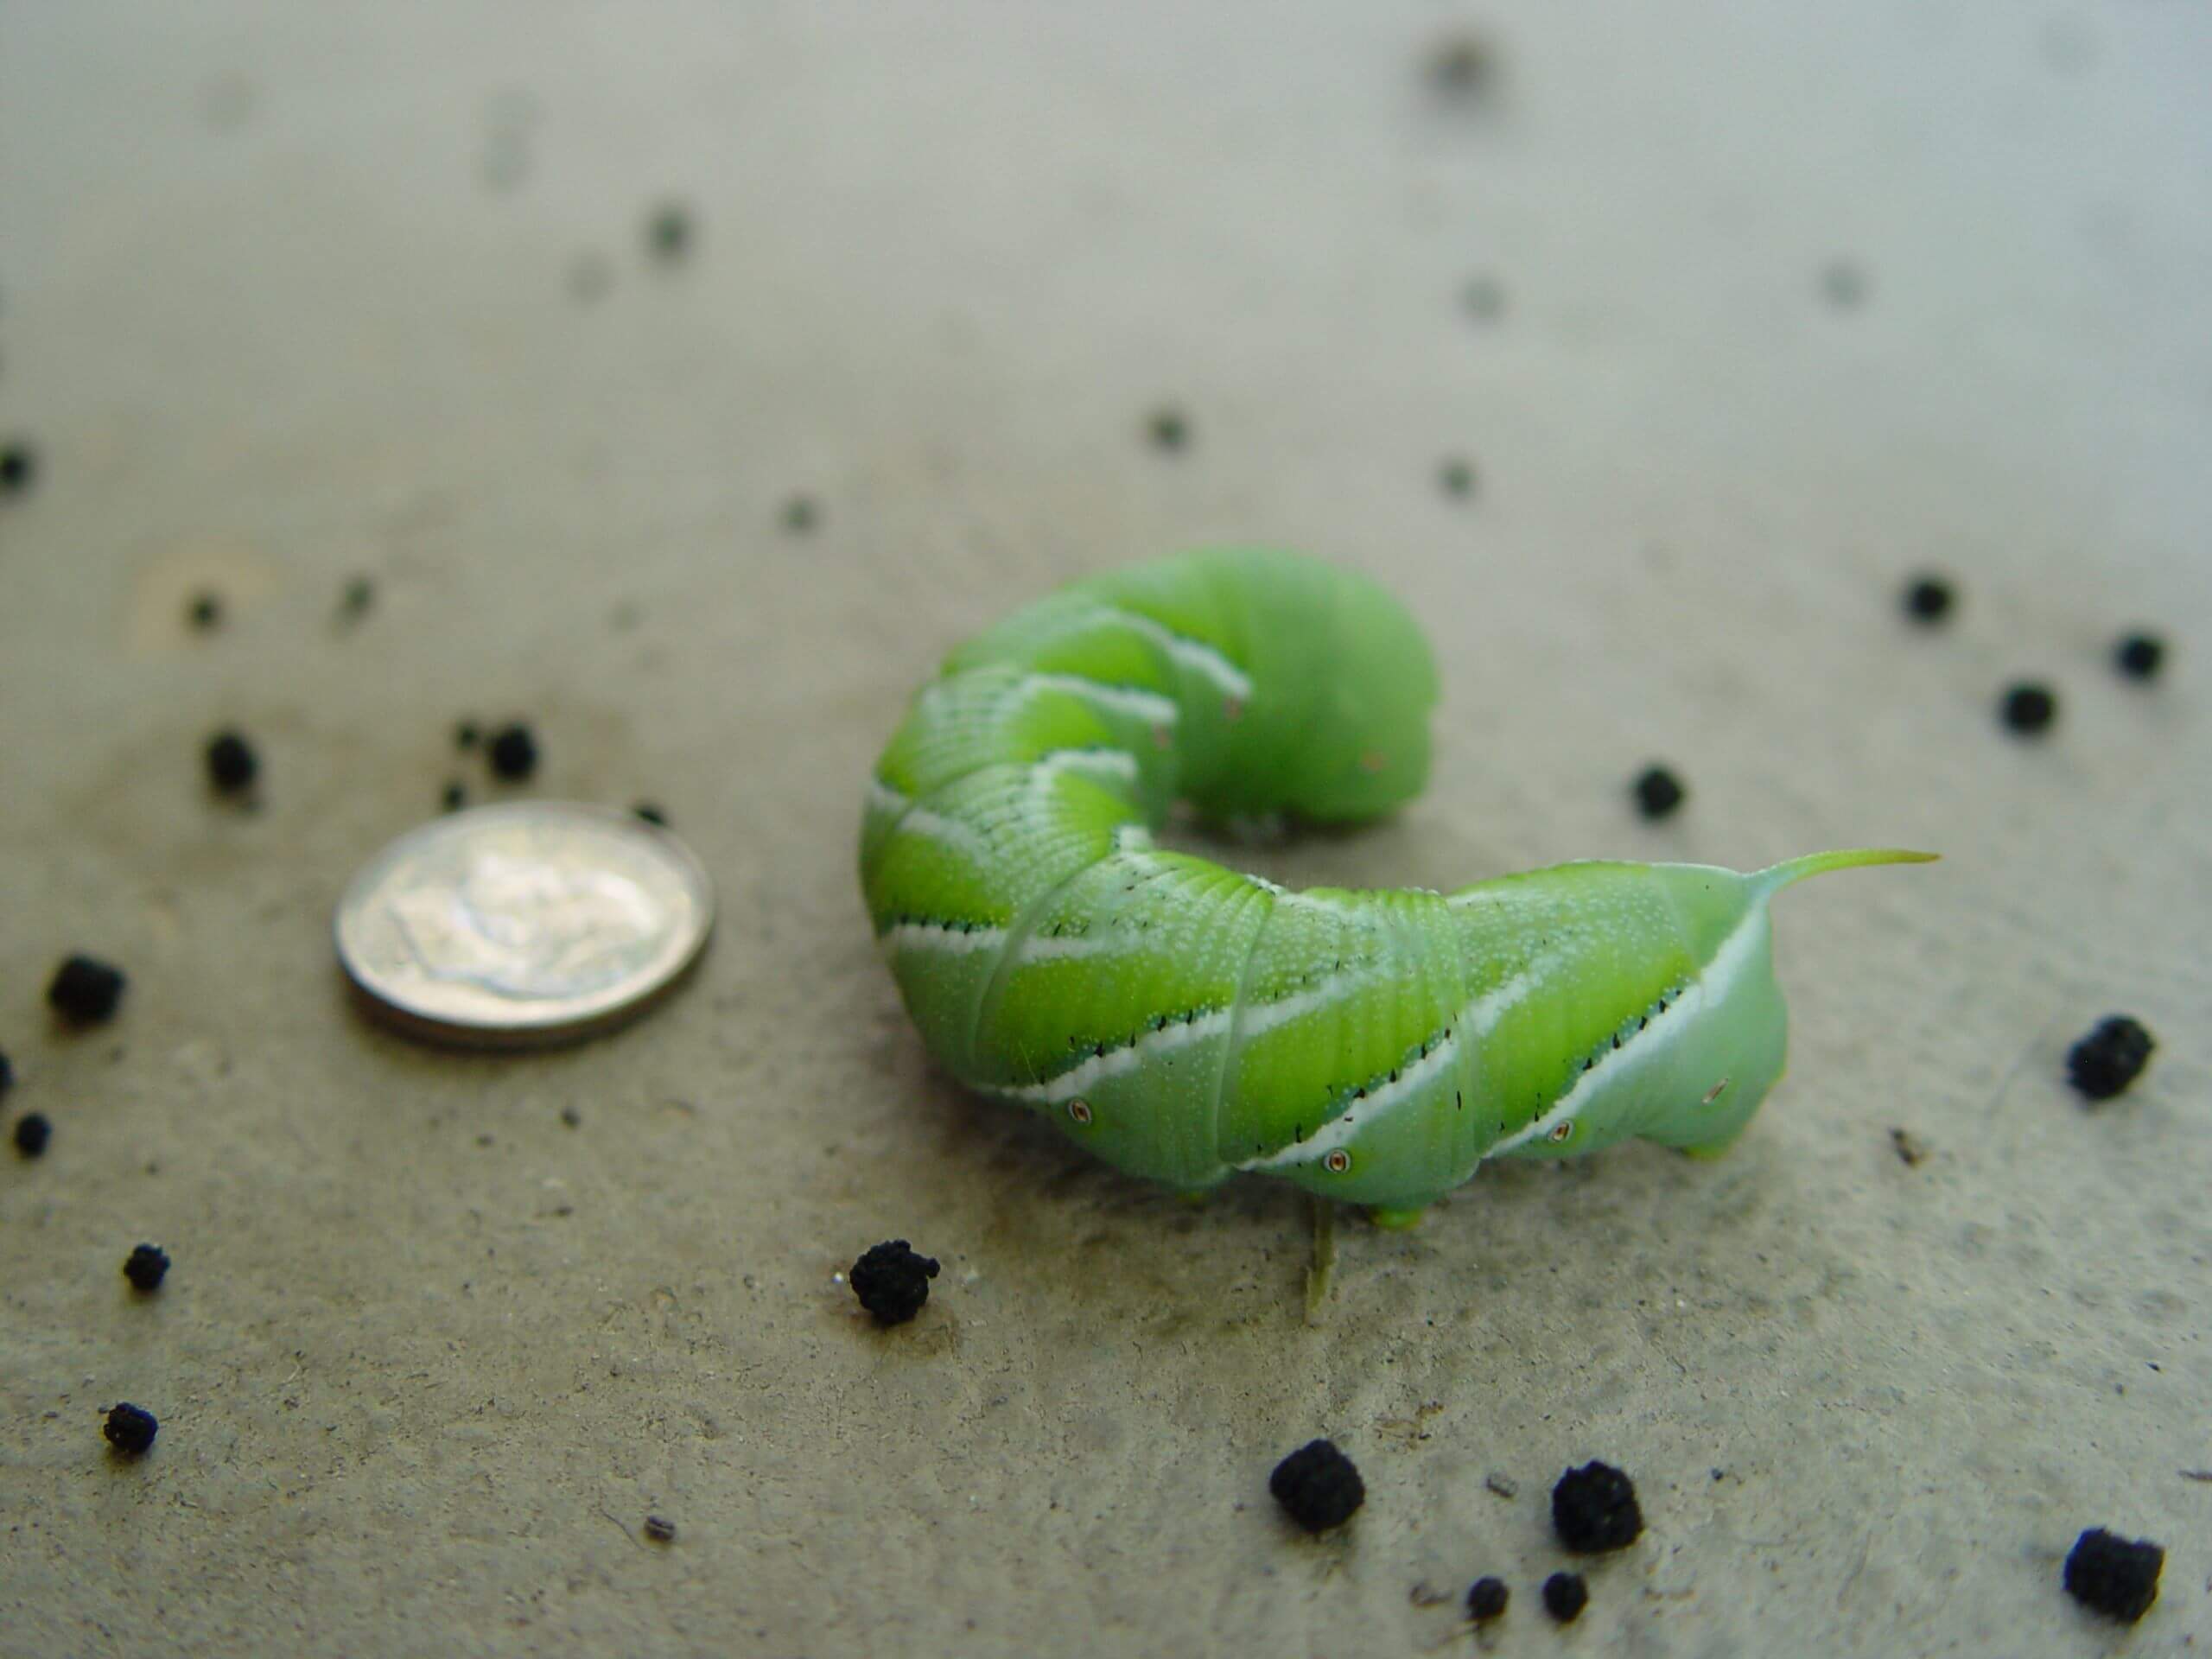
[292, 293]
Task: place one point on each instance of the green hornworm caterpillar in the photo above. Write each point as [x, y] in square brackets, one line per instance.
[1186, 1022]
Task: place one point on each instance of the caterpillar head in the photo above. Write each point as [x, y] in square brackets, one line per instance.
[1368, 750]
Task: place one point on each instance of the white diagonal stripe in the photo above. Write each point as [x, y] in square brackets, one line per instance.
[1266, 1016]
[949, 938]
[1203, 659]
[1122, 699]
[1653, 1040]
[1475, 1021]
[1111, 763]
[1115, 1061]
[935, 826]
[1047, 947]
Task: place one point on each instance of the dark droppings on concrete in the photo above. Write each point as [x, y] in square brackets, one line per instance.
[130, 1430]
[357, 599]
[1844, 284]
[232, 763]
[85, 991]
[660, 1529]
[1658, 792]
[510, 124]
[1486, 1600]
[2028, 709]
[1169, 430]
[454, 796]
[1457, 478]
[32, 1133]
[514, 751]
[7, 1076]
[1594, 1509]
[2105, 1062]
[1483, 298]
[146, 1267]
[18, 467]
[2139, 656]
[650, 814]
[1503, 1485]
[1566, 1596]
[801, 514]
[467, 734]
[1318, 1486]
[1909, 1147]
[670, 232]
[206, 611]
[2115, 1576]
[893, 1280]
[1929, 599]
[1462, 67]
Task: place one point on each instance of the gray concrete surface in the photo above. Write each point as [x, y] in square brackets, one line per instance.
[293, 292]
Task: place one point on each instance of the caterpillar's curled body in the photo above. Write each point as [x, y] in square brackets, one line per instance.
[1186, 1022]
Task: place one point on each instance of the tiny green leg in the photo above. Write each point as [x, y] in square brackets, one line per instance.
[1322, 1271]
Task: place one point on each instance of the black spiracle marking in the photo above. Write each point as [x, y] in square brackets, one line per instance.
[1100, 1047]
[1618, 1041]
[1337, 1094]
[941, 923]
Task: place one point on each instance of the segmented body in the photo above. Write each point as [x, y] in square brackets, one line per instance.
[1186, 1022]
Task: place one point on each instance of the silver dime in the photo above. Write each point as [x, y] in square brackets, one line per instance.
[536, 923]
